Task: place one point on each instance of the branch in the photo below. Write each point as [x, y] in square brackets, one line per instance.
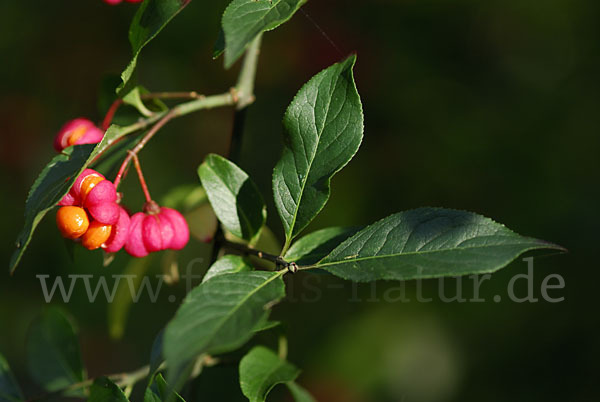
[245, 84]
[278, 260]
[122, 380]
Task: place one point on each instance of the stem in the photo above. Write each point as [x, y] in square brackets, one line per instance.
[142, 143]
[110, 114]
[244, 92]
[136, 162]
[122, 380]
[245, 84]
[278, 260]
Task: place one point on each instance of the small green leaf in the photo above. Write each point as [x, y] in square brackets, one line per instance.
[104, 390]
[159, 391]
[219, 316]
[314, 246]
[151, 17]
[9, 389]
[234, 197]
[134, 98]
[266, 325]
[260, 370]
[323, 130]
[55, 181]
[225, 265]
[219, 47]
[53, 353]
[244, 20]
[299, 393]
[428, 243]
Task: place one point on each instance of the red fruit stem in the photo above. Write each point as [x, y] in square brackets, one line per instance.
[142, 143]
[136, 163]
[111, 113]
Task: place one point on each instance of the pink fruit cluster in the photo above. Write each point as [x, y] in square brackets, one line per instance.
[98, 197]
[115, 2]
[155, 230]
[145, 232]
[76, 132]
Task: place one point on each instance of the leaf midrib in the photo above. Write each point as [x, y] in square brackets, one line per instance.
[339, 262]
[289, 235]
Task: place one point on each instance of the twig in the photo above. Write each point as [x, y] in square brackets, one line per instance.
[122, 380]
[142, 143]
[278, 260]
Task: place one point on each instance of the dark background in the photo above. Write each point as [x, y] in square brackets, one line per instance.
[490, 106]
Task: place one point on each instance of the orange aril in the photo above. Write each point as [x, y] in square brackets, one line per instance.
[76, 134]
[88, 184]
[72, 221]
[96, 235]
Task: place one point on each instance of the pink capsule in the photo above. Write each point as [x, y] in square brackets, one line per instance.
[119, 233]
[181, 232]
[113, 2]
[157, 232]
[68, 200]
[104, 191]
[135, 243]
[76, 189]
[75, 132]
[105, 212]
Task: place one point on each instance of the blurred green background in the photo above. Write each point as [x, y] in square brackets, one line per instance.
[490, 106]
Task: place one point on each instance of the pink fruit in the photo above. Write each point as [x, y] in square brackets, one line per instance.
[75, 132]
[135, 244]
[112, 2]
[67, 200]
[105, 212]
[181, 232]
[76, 189]
[119, 234]
[102, 192]
[157, 232]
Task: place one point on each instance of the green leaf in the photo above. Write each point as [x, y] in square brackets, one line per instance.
[219, 315]
[151, 17]
[156, 355]
[9, 389]
[118, 310]
[219, 47]
[323, 130]
[299, 393]
[134, 98]
[244, 20]
[49, 188]
[260, 370]
[53, 353]
[55, 181]
[104, 390]
[314, 246]
[266, 325]
[428, 243]
[225, 265]
[159, 391]
[234, 197]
